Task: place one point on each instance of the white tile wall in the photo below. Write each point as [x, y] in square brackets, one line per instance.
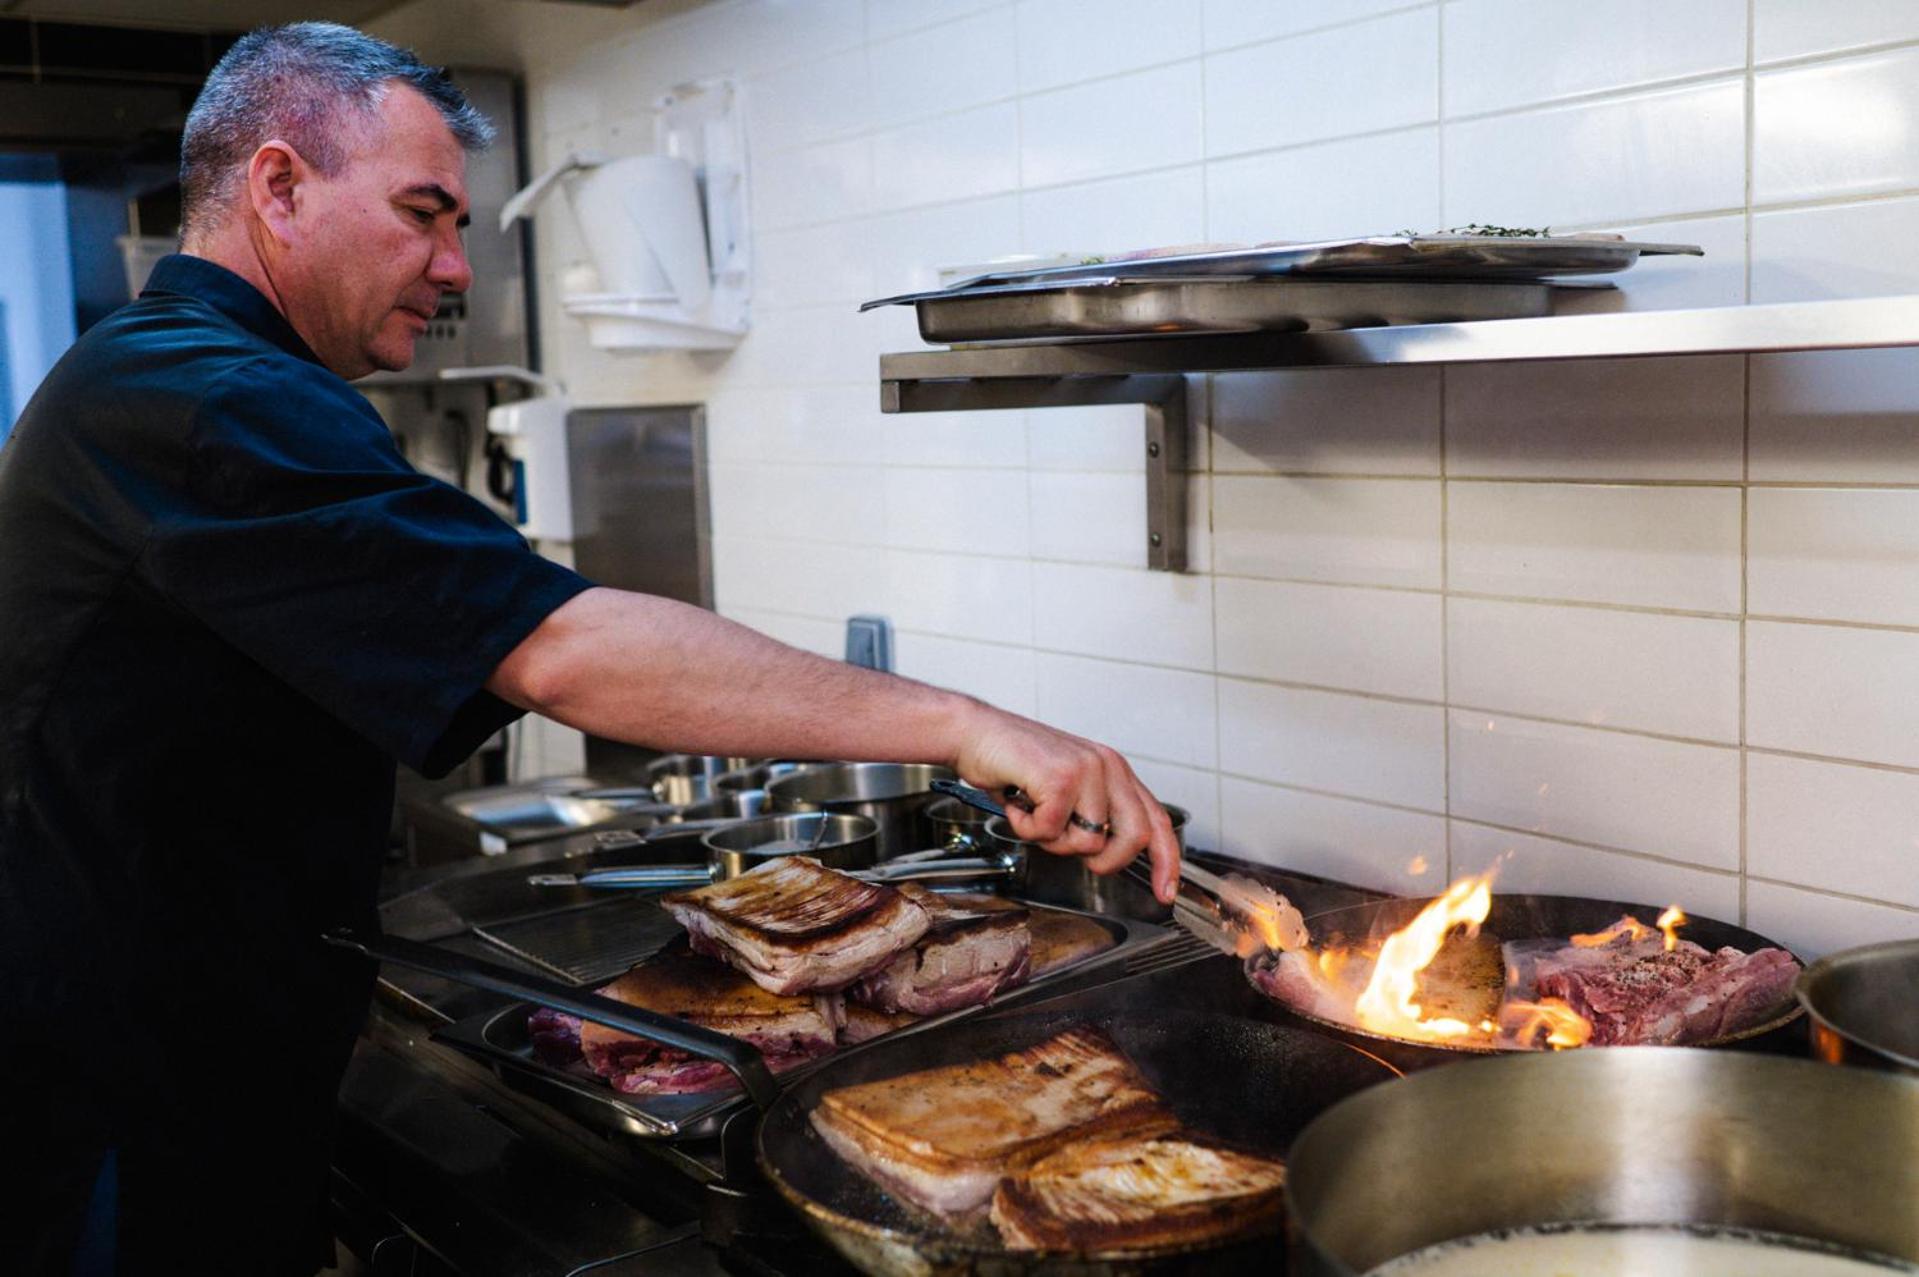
[1356, 531]
[1303, 89]
[1509, 53]
[1353, 519]
[1597, 419]
[1675, 675]
[1661, 547]
[1348, 745]
[1665, 798]
[1525, 862]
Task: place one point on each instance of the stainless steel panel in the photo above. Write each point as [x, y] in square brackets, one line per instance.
[1162, 308]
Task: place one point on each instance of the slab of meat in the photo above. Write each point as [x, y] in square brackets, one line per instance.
[1135, 1192]
[1638, 993]
[976, 946]
[794, 926]
[863, 1023]
[1288, 978]
[1061, 939]
[787, 1030]
[942, 1139]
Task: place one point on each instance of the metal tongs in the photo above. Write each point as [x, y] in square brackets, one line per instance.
[1226, 911]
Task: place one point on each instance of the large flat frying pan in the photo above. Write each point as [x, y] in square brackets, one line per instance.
[1251, 1083]
[1524, 917]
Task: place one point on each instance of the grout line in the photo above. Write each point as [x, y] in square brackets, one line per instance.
[1836, 895]
[1745, 608]
[1445, 628]
[1751, 136]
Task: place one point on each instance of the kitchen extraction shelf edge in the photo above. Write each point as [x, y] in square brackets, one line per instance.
[1153, 370]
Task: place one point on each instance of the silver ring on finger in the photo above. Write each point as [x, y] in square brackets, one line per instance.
[1103, 828]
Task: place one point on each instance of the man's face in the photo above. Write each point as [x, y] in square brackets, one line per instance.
[379, 241]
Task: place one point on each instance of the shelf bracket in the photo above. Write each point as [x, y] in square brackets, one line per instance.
[1163, 395]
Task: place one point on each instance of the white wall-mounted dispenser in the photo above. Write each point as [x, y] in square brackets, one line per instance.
[666, 232]
[533, 431]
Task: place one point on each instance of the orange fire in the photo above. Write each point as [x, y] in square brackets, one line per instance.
[1266, 920]
[1670, 922]
[1523, 1024]
[1630, 927]
[1388, 1005]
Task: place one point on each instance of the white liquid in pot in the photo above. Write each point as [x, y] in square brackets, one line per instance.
[1600, 1251]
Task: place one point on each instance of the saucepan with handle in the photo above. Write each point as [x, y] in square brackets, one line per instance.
[1864, 1006]
[1519, 917]
[1567, 1149]
[1252, 1084]
[1065, 880]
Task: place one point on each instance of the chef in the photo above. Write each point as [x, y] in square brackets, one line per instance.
[229, 606]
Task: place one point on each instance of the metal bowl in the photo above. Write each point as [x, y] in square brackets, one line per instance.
[835, 840]
[892, 795]
[1660, 1136]
[1864, 1006]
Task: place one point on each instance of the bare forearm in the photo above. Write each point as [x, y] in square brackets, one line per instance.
[652, 671]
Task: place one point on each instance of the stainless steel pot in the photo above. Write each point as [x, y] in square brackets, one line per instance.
[957, 828]
[678, 779]
[1065, 880]
[744, 791]
[1626, 1135]
[893, 795]
[1864, 1006]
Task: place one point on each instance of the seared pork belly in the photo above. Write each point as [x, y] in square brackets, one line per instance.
[787, 1030]
[1137, 1192]
[1061, 939]
[976, 946]
[794, 926]
[943, 1138]
[864, 1023]
[1639, 993]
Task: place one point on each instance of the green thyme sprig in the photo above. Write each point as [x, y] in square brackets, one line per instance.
[1495, 232]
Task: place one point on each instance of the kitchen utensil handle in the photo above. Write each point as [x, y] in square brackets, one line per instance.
[953, 867]
[633, 878]
[973, 796]
[743, 1059]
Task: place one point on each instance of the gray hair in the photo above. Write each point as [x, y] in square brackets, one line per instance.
[312, 84]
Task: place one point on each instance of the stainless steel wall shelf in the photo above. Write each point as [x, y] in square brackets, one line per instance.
[1152, 371]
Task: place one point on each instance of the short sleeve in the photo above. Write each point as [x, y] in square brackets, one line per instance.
[304, 540]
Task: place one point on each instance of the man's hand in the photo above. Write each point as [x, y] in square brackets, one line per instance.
[1065, 776]
[651, 671]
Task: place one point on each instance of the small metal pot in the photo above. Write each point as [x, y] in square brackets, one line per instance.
[958, 829]
[892, 795]
[1659, 1136]
[679, 779]
[1065, 880]
[744, 791]
[835, 840]
[1864, 1006]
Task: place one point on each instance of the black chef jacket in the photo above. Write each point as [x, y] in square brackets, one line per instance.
[227, 605]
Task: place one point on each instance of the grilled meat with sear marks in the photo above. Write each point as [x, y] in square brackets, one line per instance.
[976, 946]
[794, 926]
[943, 1138]
[1138, 1192]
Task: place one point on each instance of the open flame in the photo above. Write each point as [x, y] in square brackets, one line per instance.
[1389, 1003]
[1670, 922]
[1629, 927]
[1549, 1021]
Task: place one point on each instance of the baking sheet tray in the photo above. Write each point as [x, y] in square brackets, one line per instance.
[1115, 306]
[499, 1038]
[1377, 256]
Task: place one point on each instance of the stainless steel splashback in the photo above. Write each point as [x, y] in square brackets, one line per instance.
[638, 479]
